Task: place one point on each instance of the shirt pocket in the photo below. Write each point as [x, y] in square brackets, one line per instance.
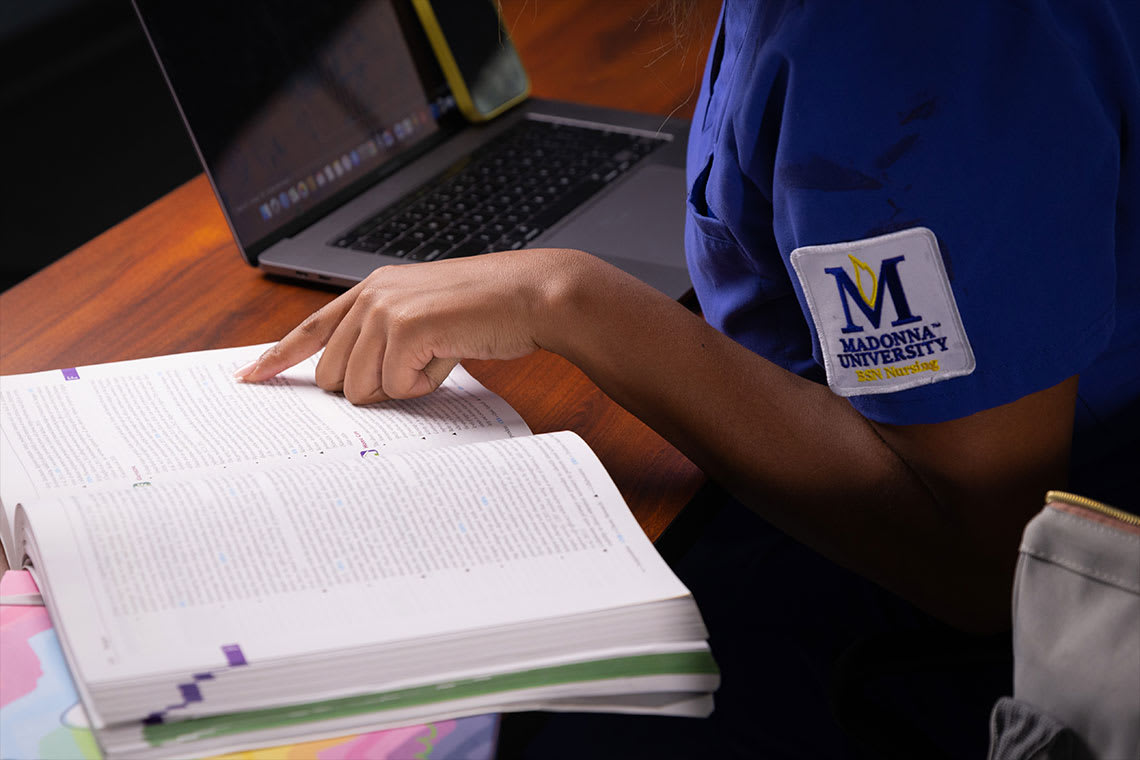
[700, 214]
[729, 230]
[742, 285]
[716, 260]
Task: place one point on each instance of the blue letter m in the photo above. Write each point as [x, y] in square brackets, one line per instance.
[888, 282]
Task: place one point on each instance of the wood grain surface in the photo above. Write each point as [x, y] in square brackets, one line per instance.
[170, 279]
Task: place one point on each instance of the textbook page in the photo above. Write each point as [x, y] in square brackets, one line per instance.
[175, 578]
[151, 420]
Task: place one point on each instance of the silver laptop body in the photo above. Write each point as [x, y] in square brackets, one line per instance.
[636, 221]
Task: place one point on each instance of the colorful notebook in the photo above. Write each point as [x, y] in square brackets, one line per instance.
[41, 717]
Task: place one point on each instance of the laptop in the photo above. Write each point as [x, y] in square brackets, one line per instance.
[334, 145]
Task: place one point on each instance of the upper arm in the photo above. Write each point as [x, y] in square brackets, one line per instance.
[987, 475]
[1009, 456]
[1008, 155]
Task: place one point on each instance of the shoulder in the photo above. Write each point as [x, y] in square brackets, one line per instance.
[852, 42]
[961, 118]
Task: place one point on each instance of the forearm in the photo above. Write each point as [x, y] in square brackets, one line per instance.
[787, 447]
[932, 512]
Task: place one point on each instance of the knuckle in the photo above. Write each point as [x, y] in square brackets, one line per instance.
[329, 384]
[327, 378]
[370, 293]
[311, 326]
[391, 390]
[403, 319]
[377, 311]
[361, 396]
[271, 354]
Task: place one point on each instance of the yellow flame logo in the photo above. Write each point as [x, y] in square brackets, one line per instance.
[860, 268]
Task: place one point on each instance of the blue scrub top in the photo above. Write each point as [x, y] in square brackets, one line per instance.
[1009, 128]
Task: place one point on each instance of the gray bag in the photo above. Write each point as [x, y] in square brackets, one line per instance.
[1076, 637]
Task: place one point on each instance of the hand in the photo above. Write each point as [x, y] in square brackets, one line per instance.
[399, 332]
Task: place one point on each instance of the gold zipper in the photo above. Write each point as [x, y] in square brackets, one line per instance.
[1091, 504]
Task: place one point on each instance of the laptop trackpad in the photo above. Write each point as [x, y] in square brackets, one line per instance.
[643, 219]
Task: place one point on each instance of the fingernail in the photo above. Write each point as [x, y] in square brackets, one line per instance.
[242, 372]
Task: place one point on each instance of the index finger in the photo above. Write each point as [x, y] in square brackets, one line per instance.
[302, 341]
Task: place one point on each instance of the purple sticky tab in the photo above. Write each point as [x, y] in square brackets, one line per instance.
[190, 692]
[70, 373]
[233, 655]
[203, 676]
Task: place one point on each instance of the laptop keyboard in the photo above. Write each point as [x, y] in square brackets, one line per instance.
[503, 195]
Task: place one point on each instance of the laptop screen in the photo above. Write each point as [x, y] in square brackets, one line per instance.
[296, 106]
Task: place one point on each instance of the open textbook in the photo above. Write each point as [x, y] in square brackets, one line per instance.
[231, 565]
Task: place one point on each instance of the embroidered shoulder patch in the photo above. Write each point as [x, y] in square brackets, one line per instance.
[884, 312]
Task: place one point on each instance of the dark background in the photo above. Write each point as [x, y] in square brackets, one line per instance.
[90, 132]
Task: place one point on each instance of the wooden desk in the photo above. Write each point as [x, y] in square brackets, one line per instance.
[169, 278]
